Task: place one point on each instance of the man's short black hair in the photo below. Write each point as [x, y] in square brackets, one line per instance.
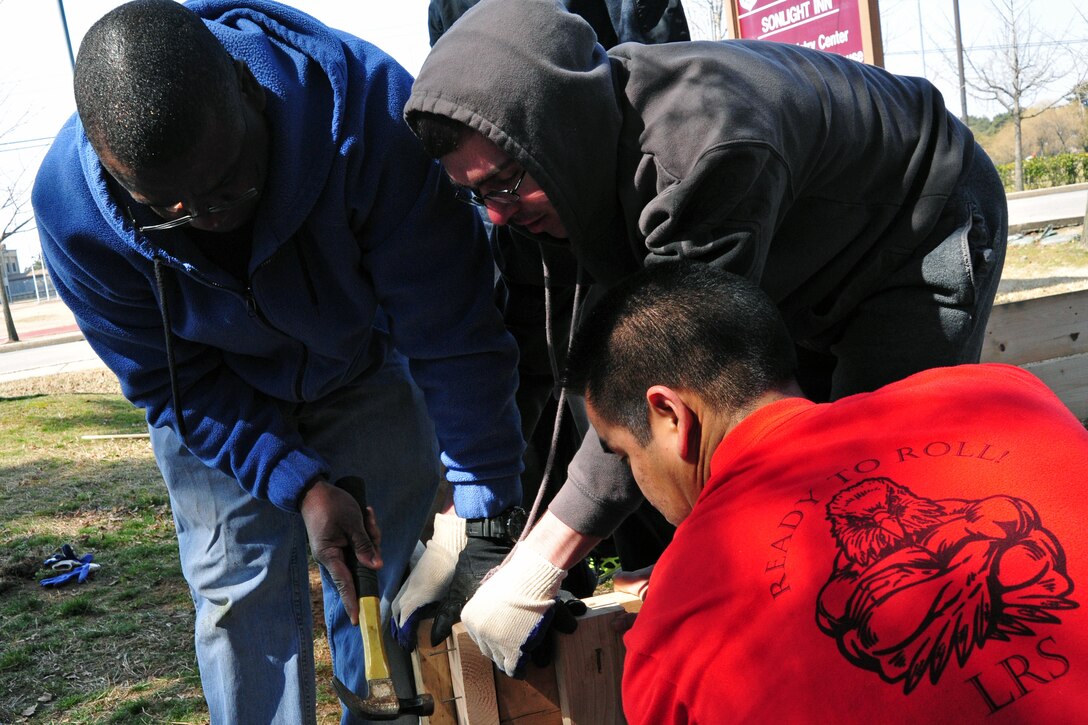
[684, 325]
[149, 79]
[439, 135]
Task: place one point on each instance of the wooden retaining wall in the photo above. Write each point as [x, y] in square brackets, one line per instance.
[1049, 337]
[581, 686]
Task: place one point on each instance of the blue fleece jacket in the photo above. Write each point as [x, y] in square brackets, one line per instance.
[358, 244]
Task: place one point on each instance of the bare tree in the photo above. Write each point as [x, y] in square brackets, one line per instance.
[1079, 98]
[705, 19]
[1017, 72]
[1079, 93]
[15, 214]
[1061, 130]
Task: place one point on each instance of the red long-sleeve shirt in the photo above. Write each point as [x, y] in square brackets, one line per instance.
[907, 555]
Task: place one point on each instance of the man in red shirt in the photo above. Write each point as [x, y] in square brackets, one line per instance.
[896, 556]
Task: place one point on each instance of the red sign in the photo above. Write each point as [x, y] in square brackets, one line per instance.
[831, 25]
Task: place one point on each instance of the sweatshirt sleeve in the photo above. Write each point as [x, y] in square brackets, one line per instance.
[435, 286]
[599, 492]
[112, 291]
[230, 426]
[724, 212]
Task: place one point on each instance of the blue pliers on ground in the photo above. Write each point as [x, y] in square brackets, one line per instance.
[71, 567]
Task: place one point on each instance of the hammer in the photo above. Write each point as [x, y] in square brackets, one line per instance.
[381, 702]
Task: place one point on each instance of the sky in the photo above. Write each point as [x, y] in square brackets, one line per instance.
[36, 74]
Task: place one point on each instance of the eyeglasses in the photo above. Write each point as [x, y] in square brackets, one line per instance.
[181, 221]
[492, 199]
[248, 195]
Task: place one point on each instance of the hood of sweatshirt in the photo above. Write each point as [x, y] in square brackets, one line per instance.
[532, 79]
[293, 57]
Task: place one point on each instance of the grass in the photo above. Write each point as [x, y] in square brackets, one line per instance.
[1037, 256]
[117, 648]
[1034, 268]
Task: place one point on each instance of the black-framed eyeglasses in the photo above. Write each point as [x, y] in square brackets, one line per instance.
[187, 218]
[492, 199]
[181, 221]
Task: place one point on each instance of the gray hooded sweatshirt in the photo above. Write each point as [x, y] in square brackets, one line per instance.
[816, 175]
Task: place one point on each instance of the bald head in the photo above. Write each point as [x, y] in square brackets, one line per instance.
[150, 80]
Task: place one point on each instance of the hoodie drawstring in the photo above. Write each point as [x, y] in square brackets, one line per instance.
[559, 391]
[164, 309]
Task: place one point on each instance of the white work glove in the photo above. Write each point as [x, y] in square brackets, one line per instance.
[512, 614]
[430, 578]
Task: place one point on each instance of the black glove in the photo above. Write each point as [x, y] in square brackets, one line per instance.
[563, 621]
[479, 557]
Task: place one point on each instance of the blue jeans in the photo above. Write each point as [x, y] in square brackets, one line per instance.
[247, 562]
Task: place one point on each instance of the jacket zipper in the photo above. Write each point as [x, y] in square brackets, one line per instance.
[254, 310]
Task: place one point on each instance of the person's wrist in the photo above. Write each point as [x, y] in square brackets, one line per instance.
[539, 577]
[561, 545]
[505, 526]
[449, 532]
[312, 491]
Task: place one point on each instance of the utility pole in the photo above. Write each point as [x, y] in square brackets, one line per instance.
[922, 39]
[959, 63]
[67, 36]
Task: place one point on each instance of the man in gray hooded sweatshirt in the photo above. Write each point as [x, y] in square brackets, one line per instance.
[858, 202]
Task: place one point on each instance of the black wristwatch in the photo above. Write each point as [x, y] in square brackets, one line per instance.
[507, 525]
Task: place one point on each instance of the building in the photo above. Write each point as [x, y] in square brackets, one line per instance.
[34, 284]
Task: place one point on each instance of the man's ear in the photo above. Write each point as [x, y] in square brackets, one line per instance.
[672, 418]
[251, 88]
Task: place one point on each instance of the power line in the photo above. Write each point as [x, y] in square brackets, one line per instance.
[26, 148]
[1040, 44]
[28, 140]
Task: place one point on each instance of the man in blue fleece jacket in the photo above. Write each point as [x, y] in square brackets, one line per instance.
[254, 242]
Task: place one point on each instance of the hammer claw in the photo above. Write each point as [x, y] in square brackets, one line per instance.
[381, 702]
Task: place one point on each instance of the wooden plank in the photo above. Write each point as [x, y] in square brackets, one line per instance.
[473, 681]
[530, 701]
[630, 603]
[431, 665]
[1068, 378]
[1037, 329]
[482, 695]
[589, 664]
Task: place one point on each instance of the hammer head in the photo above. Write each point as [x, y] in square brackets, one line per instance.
[381, 702]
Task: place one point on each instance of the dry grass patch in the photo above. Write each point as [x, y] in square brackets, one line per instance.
[119, 647]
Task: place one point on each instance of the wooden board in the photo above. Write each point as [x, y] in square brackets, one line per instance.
[485, 696]
[473, 681]
[1068, 378]
[589, 664]
[531, 701]
[432, 671]
[1038, 329]
[1049, 337]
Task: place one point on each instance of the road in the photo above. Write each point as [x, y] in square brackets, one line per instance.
[1030, 209]
[32, 362]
